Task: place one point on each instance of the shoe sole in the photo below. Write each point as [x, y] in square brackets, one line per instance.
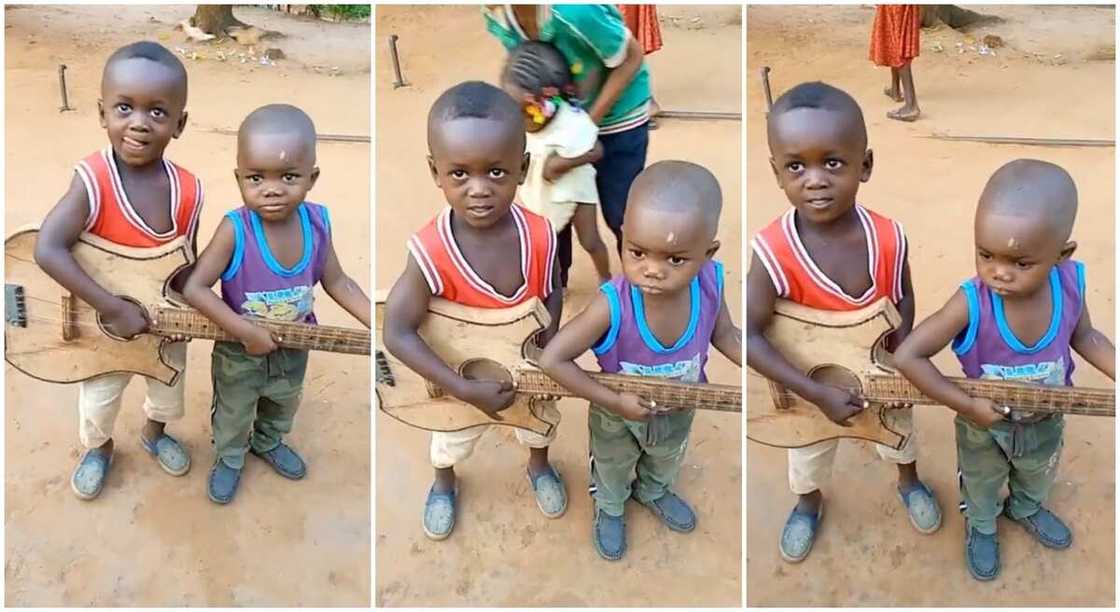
[791, 559]
[95, 494]
[155, 455]
[914, 523]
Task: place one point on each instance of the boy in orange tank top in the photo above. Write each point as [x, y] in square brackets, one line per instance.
[129, 194]
[483, 251]
[830, 253]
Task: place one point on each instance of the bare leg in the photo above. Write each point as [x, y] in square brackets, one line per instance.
[445, 480]
[893, 92]
[909, 110]
[152, 430]
[810, 503]
[586, 223]
[907, 475]
[538, 461]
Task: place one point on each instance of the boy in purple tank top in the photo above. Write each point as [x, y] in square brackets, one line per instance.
[1016, 320]
[658, 319]
[269, 254]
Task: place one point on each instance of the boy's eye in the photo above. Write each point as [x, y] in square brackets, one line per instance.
[458, 174]
[158, 113]
[984, 255]
[676, 261]
[290, 178]
[833, 164]
[254, 178]
[636, 254]
[497, 173]
[123, 108]
[795, 166]
[1023, 265]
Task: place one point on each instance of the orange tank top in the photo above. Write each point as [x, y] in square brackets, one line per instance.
[449, 276]
[111, 215]
[796, 276]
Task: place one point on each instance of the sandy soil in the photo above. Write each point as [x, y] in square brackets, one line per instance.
[503, 551]
[151, 540]
[931, 187]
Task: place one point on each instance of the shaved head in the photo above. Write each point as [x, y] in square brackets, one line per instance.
[1029, 188]
[280, 120]
[679, 187]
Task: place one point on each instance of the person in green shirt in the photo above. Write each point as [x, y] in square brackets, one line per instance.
[613, 82]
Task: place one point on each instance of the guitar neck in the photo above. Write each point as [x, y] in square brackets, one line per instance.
[671, 394]
[1018, 395]
[301, 336]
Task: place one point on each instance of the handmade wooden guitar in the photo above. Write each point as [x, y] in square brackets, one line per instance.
[500, 344]
[844, 349]
[53, 336]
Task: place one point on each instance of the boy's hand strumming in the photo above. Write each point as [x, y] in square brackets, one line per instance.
[837, 404]
[258, 340]
[985, 413]
[633, 408]
[489, 396]
[126, 320]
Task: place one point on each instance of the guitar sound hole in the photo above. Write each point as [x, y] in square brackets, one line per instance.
[836, 376]
[485, 369]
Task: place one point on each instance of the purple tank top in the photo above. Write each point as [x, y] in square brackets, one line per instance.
[630, 347]
[256, 284]
[988, 348]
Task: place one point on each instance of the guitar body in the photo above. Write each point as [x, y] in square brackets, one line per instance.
[837, 348]
[477, 343]
[55, 337]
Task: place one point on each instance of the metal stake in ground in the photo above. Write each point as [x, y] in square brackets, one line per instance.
[396, 62]
[62, 89]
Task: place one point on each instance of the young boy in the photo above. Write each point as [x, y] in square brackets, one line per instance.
[270, 254]
[830, 253]
[129, 194]
[483, 251]
[1017, 319]
[657, 319]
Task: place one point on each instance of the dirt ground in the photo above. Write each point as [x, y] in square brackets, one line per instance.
[503, 551]
[1044, 83]
[150, 539]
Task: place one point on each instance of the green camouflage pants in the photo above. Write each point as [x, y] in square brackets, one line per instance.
[1025, 456]
[621, 448]
[255, 399]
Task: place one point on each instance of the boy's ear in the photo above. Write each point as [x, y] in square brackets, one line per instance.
[524, 168]
[432, 169]
[314, 175]
[868, 163]
[101, 114]
[182, 124]
[1068, 249]
[712, 249]
[774, 169]
[237, 176]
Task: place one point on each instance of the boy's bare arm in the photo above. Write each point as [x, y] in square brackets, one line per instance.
[932, 335]
[726, 337]
[556, 165]
[836, 404]
[554, 303]
[198, 293]
[405, 309]
[57, 235]
[575, 339]
[905, 308]
[1094, 346]
[343, 290]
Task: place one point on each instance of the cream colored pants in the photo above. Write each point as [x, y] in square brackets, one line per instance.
[99, 400]
[451, 447]
[810, 468]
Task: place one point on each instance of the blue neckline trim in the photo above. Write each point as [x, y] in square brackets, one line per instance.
[238, 246]
[647, 335]
[266, 252]
[1008, 334]
[611, 336]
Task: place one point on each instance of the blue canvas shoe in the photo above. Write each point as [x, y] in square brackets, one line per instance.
[799, 534]
[921, 507]
[609, 535]
[981, 552]
[89, 475]
[439, 513]
[1046, 527]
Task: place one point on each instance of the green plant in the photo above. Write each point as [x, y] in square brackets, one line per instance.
[347, 11]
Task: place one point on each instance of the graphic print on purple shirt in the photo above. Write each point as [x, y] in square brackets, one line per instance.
[254, 283]
[630, 347]
[989, 349]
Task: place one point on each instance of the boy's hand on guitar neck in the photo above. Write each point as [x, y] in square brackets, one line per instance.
[984, 413]
[125, 320]
[633, 408]
[836, 404]
[258, 340]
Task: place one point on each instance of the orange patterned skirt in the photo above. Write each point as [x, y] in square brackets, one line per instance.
[641, 20]
[895, 34]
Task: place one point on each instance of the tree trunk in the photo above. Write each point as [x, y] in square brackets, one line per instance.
[215, 18]
[953, 16]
